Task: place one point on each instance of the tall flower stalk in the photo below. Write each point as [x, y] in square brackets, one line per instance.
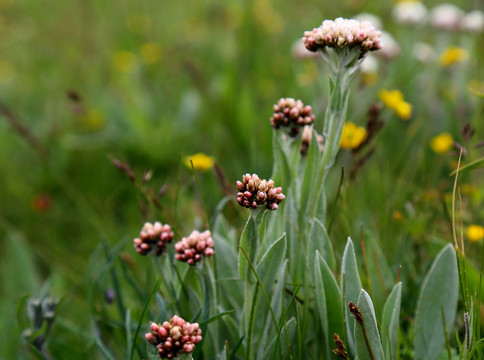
[343, 44]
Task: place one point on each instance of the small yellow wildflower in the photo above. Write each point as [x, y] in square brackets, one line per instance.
[475, 233]
[397, 215]
[442, 143]
[404, 110]
[453, 55]
[150, 52]
[125, 61]
[370, 79]
[393, 99]
[352, 136]
[201, 162]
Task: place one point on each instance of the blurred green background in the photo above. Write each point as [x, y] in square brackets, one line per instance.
[150, 82]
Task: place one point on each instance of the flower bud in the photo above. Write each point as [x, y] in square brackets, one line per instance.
[191, 249]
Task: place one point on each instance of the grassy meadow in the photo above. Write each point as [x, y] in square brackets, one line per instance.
[102, 104]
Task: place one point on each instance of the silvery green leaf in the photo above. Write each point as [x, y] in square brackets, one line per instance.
[390, 322]
[351, 288]
[363, 348]
[439, 289]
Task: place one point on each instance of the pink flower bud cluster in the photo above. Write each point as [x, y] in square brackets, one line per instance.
[174, 337]
[191, 249]
[254, 192]
[291, 114]
[342, 33]
[153, 237]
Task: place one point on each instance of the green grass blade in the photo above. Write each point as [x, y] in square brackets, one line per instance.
[127, 325]
[161, 308]
[102, 348]
[479, 163]
[215, 317]
[37, 353]
[140, 322]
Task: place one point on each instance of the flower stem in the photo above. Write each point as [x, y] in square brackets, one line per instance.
[367, 341]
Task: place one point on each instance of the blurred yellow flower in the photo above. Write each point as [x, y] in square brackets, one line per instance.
[7, 72]
[403, 110]
[150, 52]
[475, 233]
[125, 61]
[442, 143]
[453, 55]
[370, 79]
[397, 215]
[352, 136]
[201, 162]
[393, 99]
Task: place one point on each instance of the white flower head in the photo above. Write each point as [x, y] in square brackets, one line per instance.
[446, 16]
[410, 12]
[424, 52]
[391, 48]
[473, 21]
[342, 33]
[370, 65]
[374, 19]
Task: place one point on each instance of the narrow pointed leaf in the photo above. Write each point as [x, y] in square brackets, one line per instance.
[373, 343]
[308, 186]
[439, 289]
[390, 322]
[271, 262]
[319, 241]
[141, 319]
[352, 287]
[471, 166]
[321, 305]
[333, 298]
[281, 173]
[249, 242]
